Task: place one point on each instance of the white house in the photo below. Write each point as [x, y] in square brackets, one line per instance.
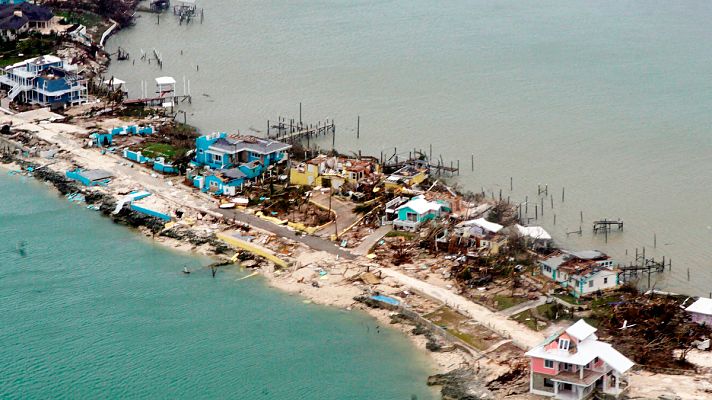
[535, 236]
[701, 311]
[583, 272]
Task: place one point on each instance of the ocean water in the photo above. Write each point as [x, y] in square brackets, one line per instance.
[92, 310]
[610, 100]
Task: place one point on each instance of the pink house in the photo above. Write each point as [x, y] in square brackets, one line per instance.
[573, 364]
[701, 311]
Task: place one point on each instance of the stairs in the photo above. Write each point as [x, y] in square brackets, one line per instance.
[17, 90]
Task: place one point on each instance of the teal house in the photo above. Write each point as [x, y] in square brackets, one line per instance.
[220, 151]
[223, 182]
[415, 212]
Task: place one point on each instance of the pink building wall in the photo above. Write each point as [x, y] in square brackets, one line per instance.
[538, 367]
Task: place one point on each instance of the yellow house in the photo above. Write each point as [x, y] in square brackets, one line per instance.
[332, 171]
[408, 176]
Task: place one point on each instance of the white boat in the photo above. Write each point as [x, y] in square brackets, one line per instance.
[227, 205]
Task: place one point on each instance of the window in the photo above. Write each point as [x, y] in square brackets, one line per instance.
[217, 157]
[590, 283]
[564, 344]
[547, 268]
[412, 217]
[548, 364]
[567, 367]
[605, 281]
[548, 382]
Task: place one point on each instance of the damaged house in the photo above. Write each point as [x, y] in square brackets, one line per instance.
[333, 172]
[474, 236]
[581, 273]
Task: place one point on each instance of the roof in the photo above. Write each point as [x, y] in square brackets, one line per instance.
[420, 205]
[534, 232]
[233, 173]
[587, 254]
[249, 143]
[580, 330]
[96, 174]
[484, 224]
[13, 22]
[555, 261]
[703, 305]
[165, 80]
[31, 11]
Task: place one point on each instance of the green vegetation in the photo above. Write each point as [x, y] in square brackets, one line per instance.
[86, 18]
[568, 298]
[505, 302]
[404, 234]
[473, 341]
[160, 150]
[546, 313]
[461, 327]
[31, 46]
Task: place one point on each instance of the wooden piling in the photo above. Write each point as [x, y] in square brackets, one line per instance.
[358, 126]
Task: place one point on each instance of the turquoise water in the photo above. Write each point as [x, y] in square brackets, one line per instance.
[609, 99]
[94, 311]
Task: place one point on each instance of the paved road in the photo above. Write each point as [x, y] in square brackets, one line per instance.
[520, 334]
[345, 215]
[314, 242]
[370, 240]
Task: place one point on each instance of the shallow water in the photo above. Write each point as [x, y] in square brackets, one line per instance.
[93, 310]
[609, 99]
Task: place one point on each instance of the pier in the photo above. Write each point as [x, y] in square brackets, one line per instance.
[290, 130]
[643, 266]
[605, 225]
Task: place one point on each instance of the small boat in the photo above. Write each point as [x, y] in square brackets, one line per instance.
[186, 270]
[227, 205]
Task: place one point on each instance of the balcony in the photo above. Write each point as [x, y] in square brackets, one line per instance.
[589, 377]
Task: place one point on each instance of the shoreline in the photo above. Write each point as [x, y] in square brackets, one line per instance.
[337, 296]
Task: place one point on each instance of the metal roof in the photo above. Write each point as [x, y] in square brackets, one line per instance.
[703, 305]
[251, 143]
[96, 174]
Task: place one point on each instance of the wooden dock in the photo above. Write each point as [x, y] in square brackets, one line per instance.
[643, 266]
[291, 131]
[605, 225]
[156, 101]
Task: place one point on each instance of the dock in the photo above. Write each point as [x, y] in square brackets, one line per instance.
[291, 131]
[605, 225]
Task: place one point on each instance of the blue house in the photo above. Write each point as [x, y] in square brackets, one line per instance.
[222, 182]
[101, 139]
[44, 80]
[161, 165]
[219, 151]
